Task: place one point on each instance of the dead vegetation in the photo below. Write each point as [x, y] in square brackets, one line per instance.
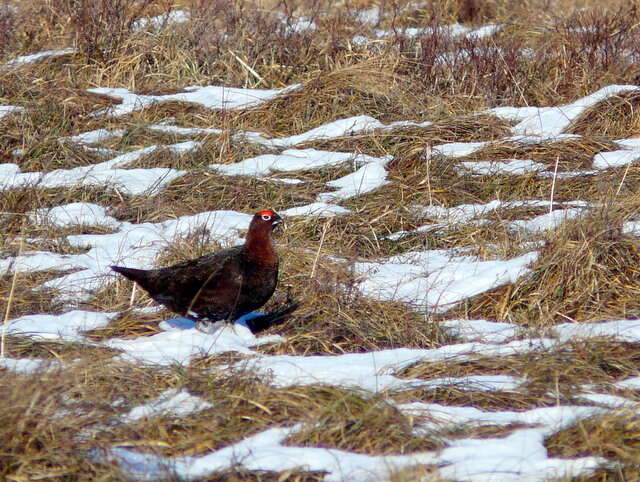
[614, 436]
[361, 424]
[587, 270]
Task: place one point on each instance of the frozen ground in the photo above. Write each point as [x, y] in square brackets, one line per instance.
[434, 280]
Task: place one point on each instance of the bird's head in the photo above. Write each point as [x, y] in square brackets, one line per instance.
[266, 218]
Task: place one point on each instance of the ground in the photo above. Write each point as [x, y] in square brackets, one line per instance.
[460, 188]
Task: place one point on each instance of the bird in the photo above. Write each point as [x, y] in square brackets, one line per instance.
[223, 285]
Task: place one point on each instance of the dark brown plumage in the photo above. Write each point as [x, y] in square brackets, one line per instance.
[220, 286]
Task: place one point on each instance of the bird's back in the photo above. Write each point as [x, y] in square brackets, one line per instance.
[222, 285]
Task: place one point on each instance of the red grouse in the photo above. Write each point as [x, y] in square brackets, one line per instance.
[220, 286]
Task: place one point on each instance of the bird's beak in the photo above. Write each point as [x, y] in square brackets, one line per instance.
[278, 222]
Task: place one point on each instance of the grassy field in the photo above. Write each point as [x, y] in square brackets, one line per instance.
[546, 53]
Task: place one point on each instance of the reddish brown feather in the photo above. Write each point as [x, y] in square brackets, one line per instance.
[220, 286]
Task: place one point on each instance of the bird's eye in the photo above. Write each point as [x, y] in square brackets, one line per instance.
[266, 217]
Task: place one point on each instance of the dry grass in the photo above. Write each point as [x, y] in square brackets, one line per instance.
[24, 299]
[202, 191]
[601, 362]
[614, 118]
[45, 415]
[587, 271]
[615, 436]
[17, 204]
[361, 424]
[549, 378]
[512, 400]
[244, 406]
[55, 350]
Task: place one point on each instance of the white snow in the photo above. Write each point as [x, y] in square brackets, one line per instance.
[211, 97]
[437, 279]
[551, 121]
[31, 58]
[368, 178]
[160, 21]
[264, 451]
[339, 128]
[80, 214]
[439, 417]
[509, 167]
[180, 346]
[95, 136]
[458, 149]
[5, 110]
[632, 383]
[317, 209]
[470, 213]
[27, 366]
[631, 143]
[361, 124]
[513, 114]
[631, 227]
[452, 30]
[172, 402]
[127, 181]
[606, 160]
[67, 326]
[460, 213]
[371, 16]
[621, 330]
[548, 221]
[608, 400]
[519, 456]
[292, 160]
[299, 25]
[38, 261]
[374, 371]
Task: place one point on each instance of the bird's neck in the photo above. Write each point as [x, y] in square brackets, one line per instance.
[259, 247]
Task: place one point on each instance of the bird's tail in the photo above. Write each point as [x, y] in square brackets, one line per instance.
[131, 273]
[267, 320]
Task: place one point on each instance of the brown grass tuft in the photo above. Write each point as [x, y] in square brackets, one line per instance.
[25, 299]
[334, 318]
[45, 415]
[615, 436]
[102, 27]
[549, 377]
[345, 91]
[587, 271]
[362, 424]
[616, 117]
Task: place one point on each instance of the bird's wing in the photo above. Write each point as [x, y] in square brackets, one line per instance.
[203, 287]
